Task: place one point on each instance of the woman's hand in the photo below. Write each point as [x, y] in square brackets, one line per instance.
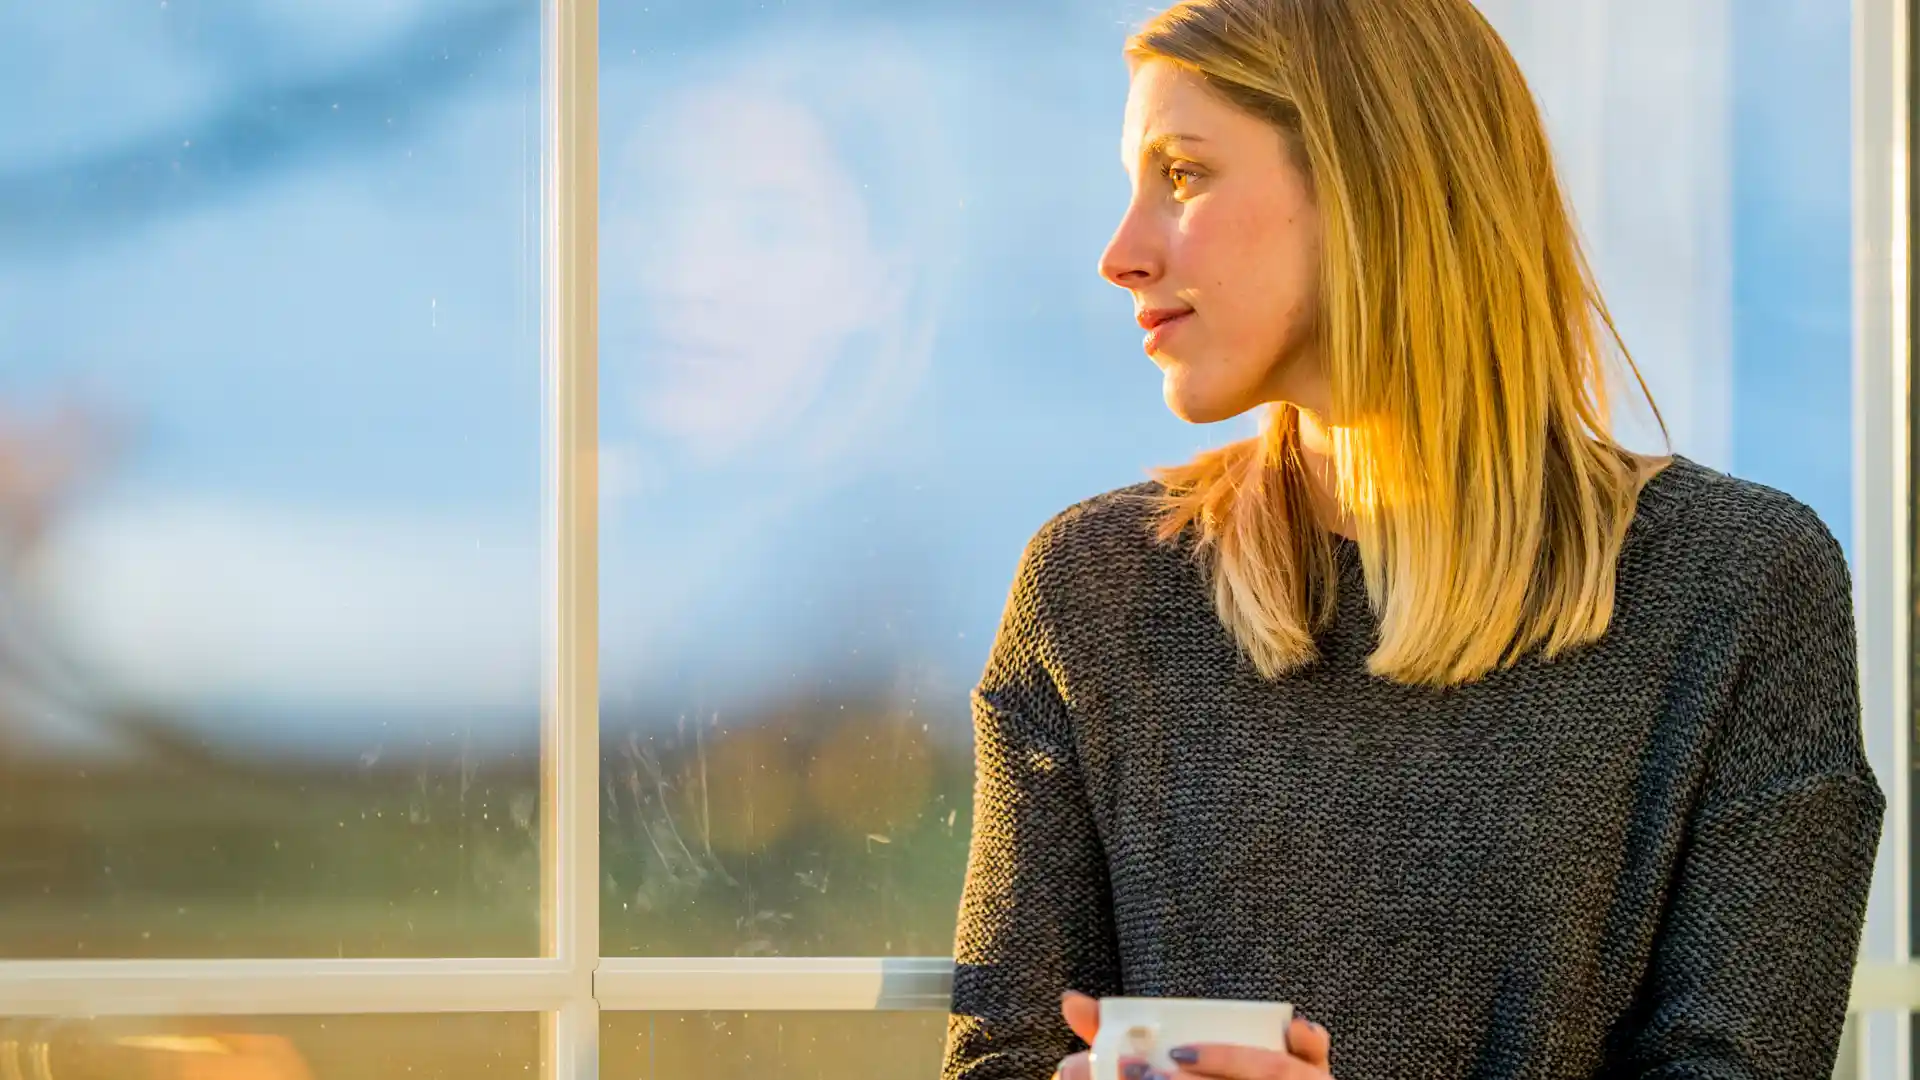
[1309, 1047]
[1082, 1014]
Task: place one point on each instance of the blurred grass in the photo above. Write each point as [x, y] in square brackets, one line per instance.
[822, 828]
[789, 1045]
[833, 828]
[269, 859]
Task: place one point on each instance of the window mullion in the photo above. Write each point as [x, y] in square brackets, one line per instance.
[570, 727]
[1881, 496]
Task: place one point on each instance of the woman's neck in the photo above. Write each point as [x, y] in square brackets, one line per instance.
[1323, 477]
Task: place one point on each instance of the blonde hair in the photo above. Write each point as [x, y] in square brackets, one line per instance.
[1463, 337]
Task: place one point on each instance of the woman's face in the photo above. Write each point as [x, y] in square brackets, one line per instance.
[1220, 246]
[754, 267]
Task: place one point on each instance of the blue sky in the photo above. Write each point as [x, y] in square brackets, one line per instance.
[293, 246]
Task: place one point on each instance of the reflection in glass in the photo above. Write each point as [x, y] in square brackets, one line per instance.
[269, 479]
[834, 827]
[784, 772]
[748, 1046]
[398, 1047]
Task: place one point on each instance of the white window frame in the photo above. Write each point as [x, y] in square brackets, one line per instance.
[570, 984]
[1887, 982]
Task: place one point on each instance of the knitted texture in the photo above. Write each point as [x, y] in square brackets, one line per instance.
[1649, 858]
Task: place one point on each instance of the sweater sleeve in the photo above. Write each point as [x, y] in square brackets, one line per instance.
[1753, 962]
[1035, 913]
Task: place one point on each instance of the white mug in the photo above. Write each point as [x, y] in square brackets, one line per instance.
[1146, 1028]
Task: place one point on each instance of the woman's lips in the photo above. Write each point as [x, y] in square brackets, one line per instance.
[1161, 325]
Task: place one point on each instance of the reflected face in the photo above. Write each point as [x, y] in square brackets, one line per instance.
[1220, 247]
[755, 267]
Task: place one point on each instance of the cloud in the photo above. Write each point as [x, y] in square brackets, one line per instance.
[246, 611]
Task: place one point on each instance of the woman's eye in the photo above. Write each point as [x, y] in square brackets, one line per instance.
[1179, 175]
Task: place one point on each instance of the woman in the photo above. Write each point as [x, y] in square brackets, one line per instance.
[1498, 750]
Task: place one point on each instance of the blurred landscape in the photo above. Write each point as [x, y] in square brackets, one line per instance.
[270, 670]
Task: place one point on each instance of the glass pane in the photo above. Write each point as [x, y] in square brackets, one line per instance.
[789, 1045]
[269, 478]
[400, 1047]
[845, 374]
[1728, 266]
[855, 351]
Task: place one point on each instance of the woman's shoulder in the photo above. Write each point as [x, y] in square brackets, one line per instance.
[1079, 575]
[1737, 534]
[1119, 515]
[1111, 524]
[1095, 544]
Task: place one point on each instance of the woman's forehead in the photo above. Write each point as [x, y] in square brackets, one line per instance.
[1168, 105]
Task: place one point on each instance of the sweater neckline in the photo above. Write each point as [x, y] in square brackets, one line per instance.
[1659, 496]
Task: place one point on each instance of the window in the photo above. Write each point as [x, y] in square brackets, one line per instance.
[271, 679]
[502, 501]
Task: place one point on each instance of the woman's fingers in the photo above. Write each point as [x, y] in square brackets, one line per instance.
[1082, 1014]
[1310, 1043]
[1239, 1063]
[1080, 1067]
[1308, 1050]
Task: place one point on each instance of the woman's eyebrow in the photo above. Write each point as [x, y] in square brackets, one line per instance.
[1157, 146]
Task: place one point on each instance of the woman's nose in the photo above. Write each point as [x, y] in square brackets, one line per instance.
[1131, 259]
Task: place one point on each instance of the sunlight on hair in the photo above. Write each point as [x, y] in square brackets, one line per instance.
[1466, 342]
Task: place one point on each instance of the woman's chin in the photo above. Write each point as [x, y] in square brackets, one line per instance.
[1194, 404]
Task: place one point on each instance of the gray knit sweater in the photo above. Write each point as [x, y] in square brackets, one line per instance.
[1646, 859]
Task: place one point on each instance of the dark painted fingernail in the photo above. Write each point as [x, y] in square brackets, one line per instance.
[1184, 1055]
[1135, 1070]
